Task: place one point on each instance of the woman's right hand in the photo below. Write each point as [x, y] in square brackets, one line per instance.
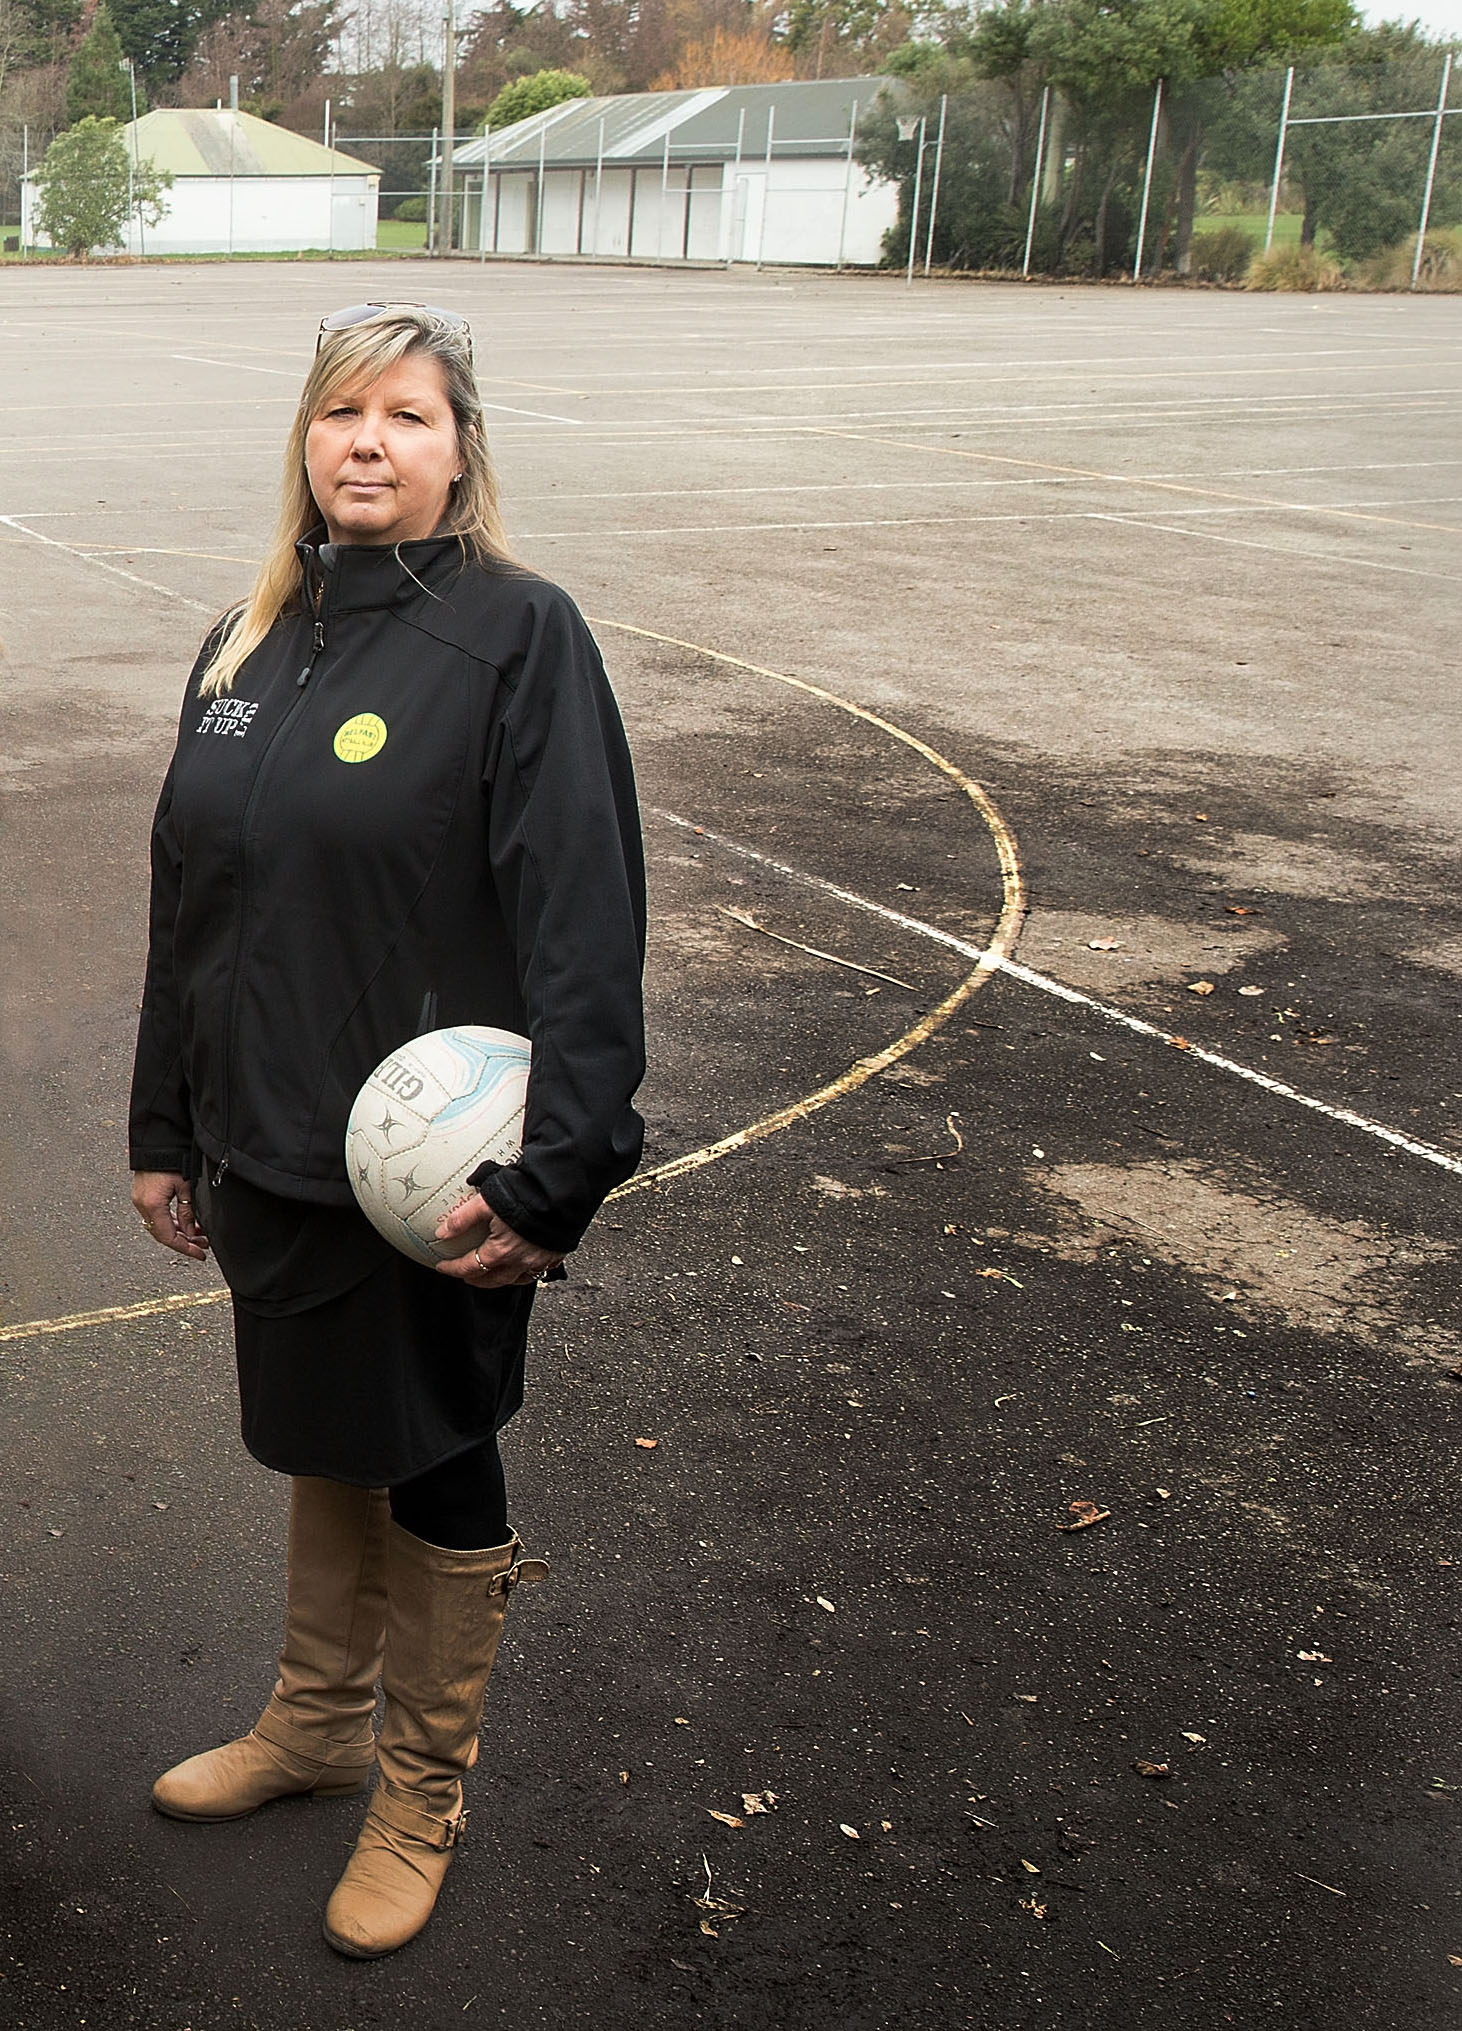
[165, 1201]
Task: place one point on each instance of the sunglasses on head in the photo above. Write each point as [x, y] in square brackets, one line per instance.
[362, 313]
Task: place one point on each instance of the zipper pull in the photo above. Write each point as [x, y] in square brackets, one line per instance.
[319, 642]
[218, 1170]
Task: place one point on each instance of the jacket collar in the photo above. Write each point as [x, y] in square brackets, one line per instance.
[363, 576]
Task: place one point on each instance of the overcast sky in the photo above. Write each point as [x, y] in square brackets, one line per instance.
[1438, 17]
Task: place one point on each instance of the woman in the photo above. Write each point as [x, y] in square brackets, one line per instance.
[400, 798]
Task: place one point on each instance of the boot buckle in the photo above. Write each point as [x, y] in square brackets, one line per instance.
[520, 1569]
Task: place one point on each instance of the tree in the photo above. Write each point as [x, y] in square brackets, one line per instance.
[97, 82]
[278, 52]
[161, 35]
[527, 96]
[728, 56]
[88, 189]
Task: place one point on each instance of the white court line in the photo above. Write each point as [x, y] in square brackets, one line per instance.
[1029, 978]
[100, 563]
[542, 415]
[234, 366]
[1280, 549]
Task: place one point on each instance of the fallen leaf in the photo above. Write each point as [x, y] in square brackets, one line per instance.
[824, 1602]
[1455, 1959]
[851, 1831]
[1084, 1515]
[1034, 1906]
[1163, 1494]
[159, 1505]
[1251, 990]
[1027, 1698]
[55, 1533]
[647, 1445]
[1152, 1769]
[1308, 1037]
[1030, 1867]
[681, 1721]
[1313, 1657]
[759, 1801]
[624, 1777]
[1243, 909]
[1200, 817]
[1103, 944]
[709, 1930]
[1190, 1735]
[726, 1818]
[1200, 987]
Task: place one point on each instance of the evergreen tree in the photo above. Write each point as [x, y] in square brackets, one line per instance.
[97, 82]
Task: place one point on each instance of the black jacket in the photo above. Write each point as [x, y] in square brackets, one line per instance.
[414, 808]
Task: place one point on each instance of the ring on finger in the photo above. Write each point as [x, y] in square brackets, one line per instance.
[476, 1257]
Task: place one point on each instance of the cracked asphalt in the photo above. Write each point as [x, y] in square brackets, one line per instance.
[1173, 577]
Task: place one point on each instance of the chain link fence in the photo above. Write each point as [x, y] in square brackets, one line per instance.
[1291, 178]
[1301, 177]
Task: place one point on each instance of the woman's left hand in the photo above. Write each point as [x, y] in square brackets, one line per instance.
[493, 1255]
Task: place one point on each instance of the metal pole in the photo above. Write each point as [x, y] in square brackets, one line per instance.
[327, 123]
[482, 209]
[132, 159]
[599, 188]
[766, 195]
[431, 197]
[449, 122]
[847, 186]
[232, 130]
[914, 218]
[934, 185]
[1030, 229]
[1147, 183]
[664, 198]
[1279, 158]
[1431, 168]
[538, 218]
[24, 180]
[735, 186]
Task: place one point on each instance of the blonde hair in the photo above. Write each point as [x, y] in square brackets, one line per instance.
[363, 352]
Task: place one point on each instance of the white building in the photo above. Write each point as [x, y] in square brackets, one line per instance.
[729, 173]
[242, 186]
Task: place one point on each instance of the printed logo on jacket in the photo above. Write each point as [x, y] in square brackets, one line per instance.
[228, 716]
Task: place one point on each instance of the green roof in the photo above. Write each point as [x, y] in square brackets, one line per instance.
[199, 141]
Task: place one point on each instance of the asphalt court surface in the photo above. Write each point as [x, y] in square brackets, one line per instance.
[1172, 578]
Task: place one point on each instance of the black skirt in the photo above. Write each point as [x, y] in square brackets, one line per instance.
[355, 1363]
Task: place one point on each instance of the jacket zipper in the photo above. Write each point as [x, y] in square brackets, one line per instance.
[317, 645]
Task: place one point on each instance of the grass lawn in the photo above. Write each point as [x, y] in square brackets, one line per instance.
[400, 236]
[1286, 225]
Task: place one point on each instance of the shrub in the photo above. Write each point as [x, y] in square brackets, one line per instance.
[1296, 268]
[1441, 264]
[412, 209]
[1222, 256]
[527, 96]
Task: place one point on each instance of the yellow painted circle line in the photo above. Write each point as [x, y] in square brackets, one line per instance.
[1000, 948]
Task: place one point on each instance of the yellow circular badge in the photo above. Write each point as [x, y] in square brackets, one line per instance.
[360, 738]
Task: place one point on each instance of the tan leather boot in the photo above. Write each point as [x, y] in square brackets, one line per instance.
[444, 1618]
[316, 1733]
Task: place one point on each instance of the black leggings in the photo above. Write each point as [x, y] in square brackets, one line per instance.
[461, 1504]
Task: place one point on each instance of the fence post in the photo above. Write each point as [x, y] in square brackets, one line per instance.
[1030, 229]
[918, 186]
[664, 198]
[482, 201]
[431, 201]
[1279, 158]
[542, 174]
[847, 187]
[934, 185]
[766, 194]
[24, 181]
[735, 192]
[1431, 168]
[599, 187]
[1147, 184]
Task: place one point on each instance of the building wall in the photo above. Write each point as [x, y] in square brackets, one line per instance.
[803, 211]
[255, 215]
